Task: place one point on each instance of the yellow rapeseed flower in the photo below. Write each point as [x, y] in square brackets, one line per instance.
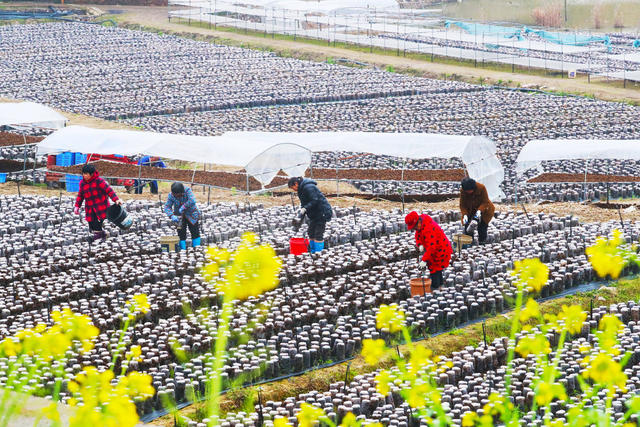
[607, 255]
[373, 350]
[531, 273]
[139, 304]
[530, 310]
[603, 370]
[609, 327]
[420, 358]
[573, 318]
[135, 352]
[349, 420]
[281, 422]
[50, 412]
[497, 405]
[254, 270]
[54, 343]
[9, 347]
[218, 255]
[390, 317]
[416, 395]
[309, 415]
[105, 404]
[77, 326]
[546, 392]
[469, 419]
[138, 384]
[533, 344]
[383, 379]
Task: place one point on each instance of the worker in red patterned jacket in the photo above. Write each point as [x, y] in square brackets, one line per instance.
[95, 192]
[433, 243]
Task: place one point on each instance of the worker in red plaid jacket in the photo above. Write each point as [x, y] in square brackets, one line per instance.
[94, 191]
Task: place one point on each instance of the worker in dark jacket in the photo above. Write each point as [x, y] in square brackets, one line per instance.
[95, 192]
[181, 208]
[314, 205]
[432, 243]
[475, 206]
[153, 185]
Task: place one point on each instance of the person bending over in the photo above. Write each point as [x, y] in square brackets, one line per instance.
[315, 206]
[95, 192]
[432, 243]
[181, 208]
[475, 206]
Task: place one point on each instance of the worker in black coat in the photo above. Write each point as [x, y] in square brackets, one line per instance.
[315, 206]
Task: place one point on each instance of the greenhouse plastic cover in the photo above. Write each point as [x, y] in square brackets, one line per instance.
[30, 114]
[308, 6]
[571, 39]
[480, 29]
[264, 154]
[535, 152]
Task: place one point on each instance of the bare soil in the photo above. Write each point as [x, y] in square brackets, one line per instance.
[216, 178]
[13, 166]
[10, 138]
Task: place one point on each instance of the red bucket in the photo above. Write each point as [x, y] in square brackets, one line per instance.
[298, 246]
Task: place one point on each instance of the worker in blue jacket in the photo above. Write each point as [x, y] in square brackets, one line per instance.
[315, 206]
[153, 185]
[181, 208]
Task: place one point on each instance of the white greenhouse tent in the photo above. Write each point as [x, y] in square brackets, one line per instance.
[535, 152]
[264, 154]
[30, 114]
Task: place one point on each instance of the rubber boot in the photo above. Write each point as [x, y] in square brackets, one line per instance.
[183, 245]
[312, 247]
[195, 242]
[319, 246]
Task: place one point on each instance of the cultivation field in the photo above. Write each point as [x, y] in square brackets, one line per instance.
[308, 321]
[162, 313]
[150, 89]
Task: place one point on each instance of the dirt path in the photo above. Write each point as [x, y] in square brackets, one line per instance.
[156, 17]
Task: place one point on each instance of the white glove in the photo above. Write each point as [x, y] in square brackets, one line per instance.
[422, 265]
[421, 248]
[479, 214]
[301, 212]
[76, 210]
[464, 219]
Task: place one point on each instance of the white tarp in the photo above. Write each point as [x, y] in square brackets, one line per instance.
[205, 149]
[476, 152]
[30, 114]
[535, 152]
[264, 154]
[304, 6]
